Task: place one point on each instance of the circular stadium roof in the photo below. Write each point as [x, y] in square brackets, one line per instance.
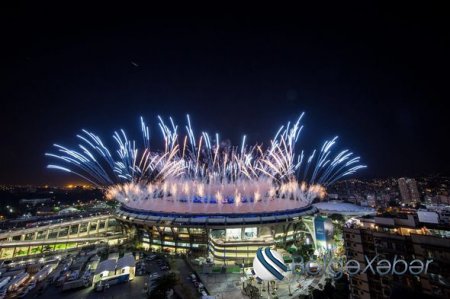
[212, 220]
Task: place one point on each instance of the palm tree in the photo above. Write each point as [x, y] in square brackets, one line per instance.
[161, 285]
[250, 280]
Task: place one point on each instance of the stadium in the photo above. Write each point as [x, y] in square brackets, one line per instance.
[204, 197]
[225, 236]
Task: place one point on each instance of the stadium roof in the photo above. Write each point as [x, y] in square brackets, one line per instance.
[343, 208]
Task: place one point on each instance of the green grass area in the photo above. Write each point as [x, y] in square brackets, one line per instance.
[60, 246]
[36, 250]
[234, 269]
[21, 251]
[230, 269]
[71, 245]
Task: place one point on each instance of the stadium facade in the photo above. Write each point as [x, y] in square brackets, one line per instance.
[226, 238]
[56, 235]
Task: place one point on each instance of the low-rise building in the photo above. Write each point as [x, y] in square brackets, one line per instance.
[112, 268]
[106, 268]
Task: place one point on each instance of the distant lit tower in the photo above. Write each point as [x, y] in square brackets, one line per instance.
[402, 185]
[414, 192]
[408, 190]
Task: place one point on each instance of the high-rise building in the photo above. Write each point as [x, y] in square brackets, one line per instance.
[404, 193]
[408, 190]
[400, 238]
[412, 187]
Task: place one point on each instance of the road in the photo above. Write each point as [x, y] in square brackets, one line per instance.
[185, 272]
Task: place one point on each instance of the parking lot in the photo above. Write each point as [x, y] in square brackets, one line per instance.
[130, 290]
[32, 276]
[74, 272]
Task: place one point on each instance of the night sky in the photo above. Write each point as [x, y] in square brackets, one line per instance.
[375, 75]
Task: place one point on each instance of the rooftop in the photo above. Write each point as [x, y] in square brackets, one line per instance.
[106, 265]
[126, 261]
[344, 208]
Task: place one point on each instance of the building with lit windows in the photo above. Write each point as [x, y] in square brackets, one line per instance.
[404, 237]
[61, 235]
[408, 190]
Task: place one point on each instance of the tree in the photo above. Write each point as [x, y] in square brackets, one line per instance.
[251, 291]
[162, 284]
[318, 294]
[342, 288]
[305, 251]
[337, 217]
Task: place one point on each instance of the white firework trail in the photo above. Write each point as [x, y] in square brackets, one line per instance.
[205, 171]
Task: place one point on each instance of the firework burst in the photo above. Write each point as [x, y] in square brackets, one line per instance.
[203, 170]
